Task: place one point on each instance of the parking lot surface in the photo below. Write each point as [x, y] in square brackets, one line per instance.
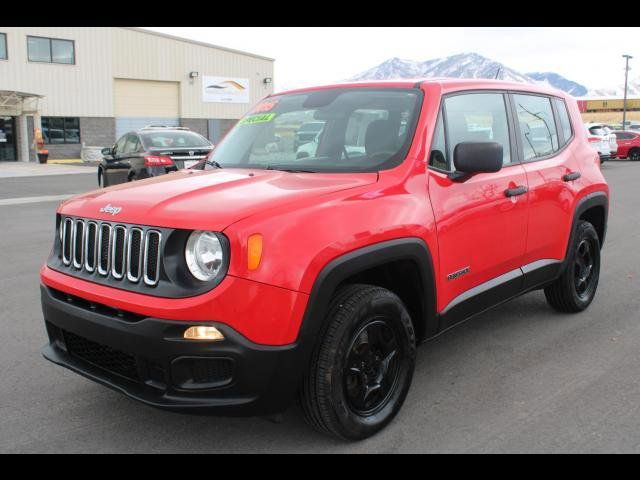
[519, 378]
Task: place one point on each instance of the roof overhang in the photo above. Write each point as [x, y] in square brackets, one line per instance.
[13, 103]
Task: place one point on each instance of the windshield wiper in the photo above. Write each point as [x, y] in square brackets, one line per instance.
[285, 169]
[213, 163]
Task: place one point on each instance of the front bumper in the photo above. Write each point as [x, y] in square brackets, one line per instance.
[147, 359]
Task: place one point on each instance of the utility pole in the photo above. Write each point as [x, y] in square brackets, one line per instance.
[624, 102]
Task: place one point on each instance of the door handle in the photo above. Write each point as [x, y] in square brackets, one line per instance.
[571, 176]
[514, 192]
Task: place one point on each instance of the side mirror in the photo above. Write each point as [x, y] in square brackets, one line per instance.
[107, 151]
[477, 157]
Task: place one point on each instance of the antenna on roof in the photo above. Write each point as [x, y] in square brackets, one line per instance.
[497, 73]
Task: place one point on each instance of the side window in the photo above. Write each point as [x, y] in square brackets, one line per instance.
[477, 117]
[537, 126]
[438, 156]
[563, 116]
[119, 148]
[131, 144]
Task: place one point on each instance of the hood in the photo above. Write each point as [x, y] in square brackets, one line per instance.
[206, 200]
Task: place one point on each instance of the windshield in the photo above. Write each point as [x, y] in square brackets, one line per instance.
[174, 139]
[331, 130]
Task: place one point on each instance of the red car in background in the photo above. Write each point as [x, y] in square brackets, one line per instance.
[628, 144]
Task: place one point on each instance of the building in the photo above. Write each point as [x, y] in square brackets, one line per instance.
[86, 86]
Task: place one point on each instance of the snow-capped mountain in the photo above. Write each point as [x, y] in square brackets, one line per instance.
[558, 81]
[464, 65]
[633, 90]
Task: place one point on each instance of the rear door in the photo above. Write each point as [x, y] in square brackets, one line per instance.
[481, 230]
[545, 139]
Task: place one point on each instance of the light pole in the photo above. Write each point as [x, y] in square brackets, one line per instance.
[624, 102]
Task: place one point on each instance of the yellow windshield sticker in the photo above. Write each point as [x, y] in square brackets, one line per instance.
[253, 119]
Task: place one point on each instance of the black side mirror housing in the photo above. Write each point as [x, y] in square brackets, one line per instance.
[107, 151]
[477, 157]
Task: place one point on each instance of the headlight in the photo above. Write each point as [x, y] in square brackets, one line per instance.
[204, 255]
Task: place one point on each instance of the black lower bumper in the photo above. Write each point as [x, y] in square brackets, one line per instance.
[147, 359]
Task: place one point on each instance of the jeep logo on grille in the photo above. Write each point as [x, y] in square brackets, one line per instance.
[110, 209]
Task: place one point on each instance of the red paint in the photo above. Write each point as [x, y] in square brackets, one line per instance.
[309, 219]
[625, 145]
[156, 160]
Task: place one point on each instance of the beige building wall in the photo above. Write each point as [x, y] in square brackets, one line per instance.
[81, 90]
[144, 56]
[103, 54]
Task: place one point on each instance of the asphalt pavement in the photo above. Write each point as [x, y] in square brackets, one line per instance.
[519, 378]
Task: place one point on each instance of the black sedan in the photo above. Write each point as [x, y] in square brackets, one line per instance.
[150, 152]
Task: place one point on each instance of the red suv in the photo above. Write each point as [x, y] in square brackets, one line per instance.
[264, 276]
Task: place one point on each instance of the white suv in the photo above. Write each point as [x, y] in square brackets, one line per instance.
[603, 140]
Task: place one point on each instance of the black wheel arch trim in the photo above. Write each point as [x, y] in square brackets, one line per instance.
[594, 199]
[347, 265]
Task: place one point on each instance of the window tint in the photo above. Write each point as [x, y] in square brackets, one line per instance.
[563, 116]
[131, 145]
[119, 147]
[477, 117]
[438, 156]
[50, 50]
[3, 46]
[57, 130]
[174, 139]
[600, 131]
[624, 136]
[537, 126]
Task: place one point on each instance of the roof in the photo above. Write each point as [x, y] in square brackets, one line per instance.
[195, 42]
[445, 83]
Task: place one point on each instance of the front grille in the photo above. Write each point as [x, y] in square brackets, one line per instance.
[116, 251]
[101, 356]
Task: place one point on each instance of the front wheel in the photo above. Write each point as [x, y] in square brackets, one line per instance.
[575, 289]
[362, 367]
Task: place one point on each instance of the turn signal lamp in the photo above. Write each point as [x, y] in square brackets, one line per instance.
[254, 251]
[203, 333]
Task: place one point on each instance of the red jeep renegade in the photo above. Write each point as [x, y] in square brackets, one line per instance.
[313, 269]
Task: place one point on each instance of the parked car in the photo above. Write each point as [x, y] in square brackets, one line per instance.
[603, 140]
[150, 152]
[265, 277]
[306, 133]
[628, 144]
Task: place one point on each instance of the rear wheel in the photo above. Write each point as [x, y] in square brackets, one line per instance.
[361, 370]
[575, 289]
[634, 155]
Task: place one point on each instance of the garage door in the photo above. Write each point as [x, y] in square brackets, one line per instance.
[141, 102]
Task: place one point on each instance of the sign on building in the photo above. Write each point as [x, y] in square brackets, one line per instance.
[225, 89]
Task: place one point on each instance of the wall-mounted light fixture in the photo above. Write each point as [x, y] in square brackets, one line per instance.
[267, 80]
[193, 74]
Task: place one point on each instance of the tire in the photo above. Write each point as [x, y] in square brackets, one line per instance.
[102, 179]
[339, 396]
[634, 155]
[574, 290]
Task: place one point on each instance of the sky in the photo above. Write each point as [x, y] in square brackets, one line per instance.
[315, 55]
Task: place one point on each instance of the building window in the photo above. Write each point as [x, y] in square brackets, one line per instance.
[3, 46]
[51, 50]
[57, 130]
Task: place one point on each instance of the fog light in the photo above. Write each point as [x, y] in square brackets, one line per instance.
[203, 333]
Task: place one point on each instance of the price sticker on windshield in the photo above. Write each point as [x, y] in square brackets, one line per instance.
[253, 119]
[265, 106]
